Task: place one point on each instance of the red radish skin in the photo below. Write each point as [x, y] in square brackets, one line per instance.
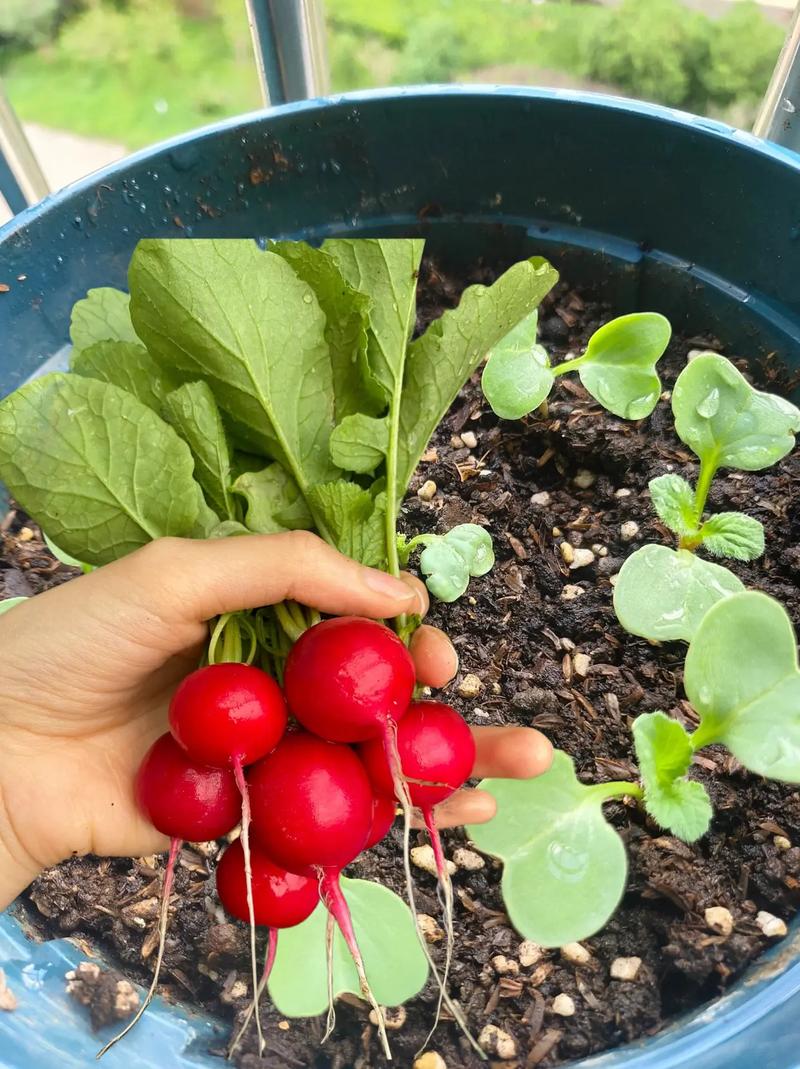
[436, 750]
[312, 810]
[311, 804]
[433, 757]
[384, 811]
[346, 678]
[281, 899]
[228, 713]
[183, 798]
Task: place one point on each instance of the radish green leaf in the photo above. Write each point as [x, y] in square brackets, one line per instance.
[395, 965]
[517, 377]
[663, 594]
[193, 412]
[673, 500]
[741, 676]
[732, 534]
[619, 365]
[128, 365]
[664, 753]
[564, 866]
[102, 315]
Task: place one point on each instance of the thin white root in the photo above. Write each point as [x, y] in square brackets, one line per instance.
[401, 790]
[330, 1023]
[163, 919]
[241, 783]
[272, 946]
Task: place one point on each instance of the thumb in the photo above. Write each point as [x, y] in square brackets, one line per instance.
[196, 579]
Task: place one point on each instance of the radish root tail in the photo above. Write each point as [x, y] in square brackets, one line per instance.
[335, 903]
[241, 783]
[401, 792]
[446, 889]
[330, 1023]
[163, 918]
[269, 961]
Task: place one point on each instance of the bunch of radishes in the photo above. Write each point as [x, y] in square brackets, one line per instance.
[312, 793]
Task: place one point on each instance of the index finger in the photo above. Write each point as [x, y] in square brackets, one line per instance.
[511, 752]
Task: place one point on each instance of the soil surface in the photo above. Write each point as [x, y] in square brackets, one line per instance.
[518, 634]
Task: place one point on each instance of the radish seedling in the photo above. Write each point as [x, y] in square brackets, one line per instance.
[663, 593]
[617, 368]
[447, 561]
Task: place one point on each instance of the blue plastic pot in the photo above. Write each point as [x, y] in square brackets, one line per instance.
[657, 209]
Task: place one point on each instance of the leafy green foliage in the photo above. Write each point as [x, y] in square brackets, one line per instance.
[741, 676]
[742, 51]
[732, 534]
[618, 367]
[673, 500]
[356, 520]
[448, 560]
[663, 594]
[359, 443]
[564, 866]
[128, 365]
[727, 422]
[452, 347]
[664, 753]
[28, 22]
[273, 501]
[395, 965]
[102, 315]
[240, 318]
[517, 377]
[99, 471]
[193, 412]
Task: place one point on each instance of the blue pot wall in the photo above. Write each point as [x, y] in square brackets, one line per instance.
[654, 208]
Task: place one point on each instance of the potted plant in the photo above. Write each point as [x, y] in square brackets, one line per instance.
[645, 232]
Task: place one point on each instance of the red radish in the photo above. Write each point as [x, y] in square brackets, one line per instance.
[281, 899]
[383, 814]
[183, 798]
[228, 713]
[346, 678]
[312, 812]
[436, 754]
[311, 803]
[436, 750]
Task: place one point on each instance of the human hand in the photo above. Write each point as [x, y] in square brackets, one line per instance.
[89, 667]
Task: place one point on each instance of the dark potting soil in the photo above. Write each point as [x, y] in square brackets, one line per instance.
[517, 633]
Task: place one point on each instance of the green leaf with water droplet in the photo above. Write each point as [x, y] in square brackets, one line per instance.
[193, 412]
[7, 604]
[664, 753]
[727, 422]
[359, 443]
[128, 365]
[517, 377]
[732, 534]
[673, 500]
[619, 365]
[741, 675]
[564, 866]
[662, 594]
[395, 965]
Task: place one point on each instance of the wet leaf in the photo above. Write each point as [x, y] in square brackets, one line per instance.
[564, 866]
[619, 365]
[102, 315]
[517, 377]
[673, 500]
[662, 594]
[395, 965]
[732, 534]
[726, 422]
[741, 676]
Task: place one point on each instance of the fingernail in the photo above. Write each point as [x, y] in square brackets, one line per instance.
[388, 585]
